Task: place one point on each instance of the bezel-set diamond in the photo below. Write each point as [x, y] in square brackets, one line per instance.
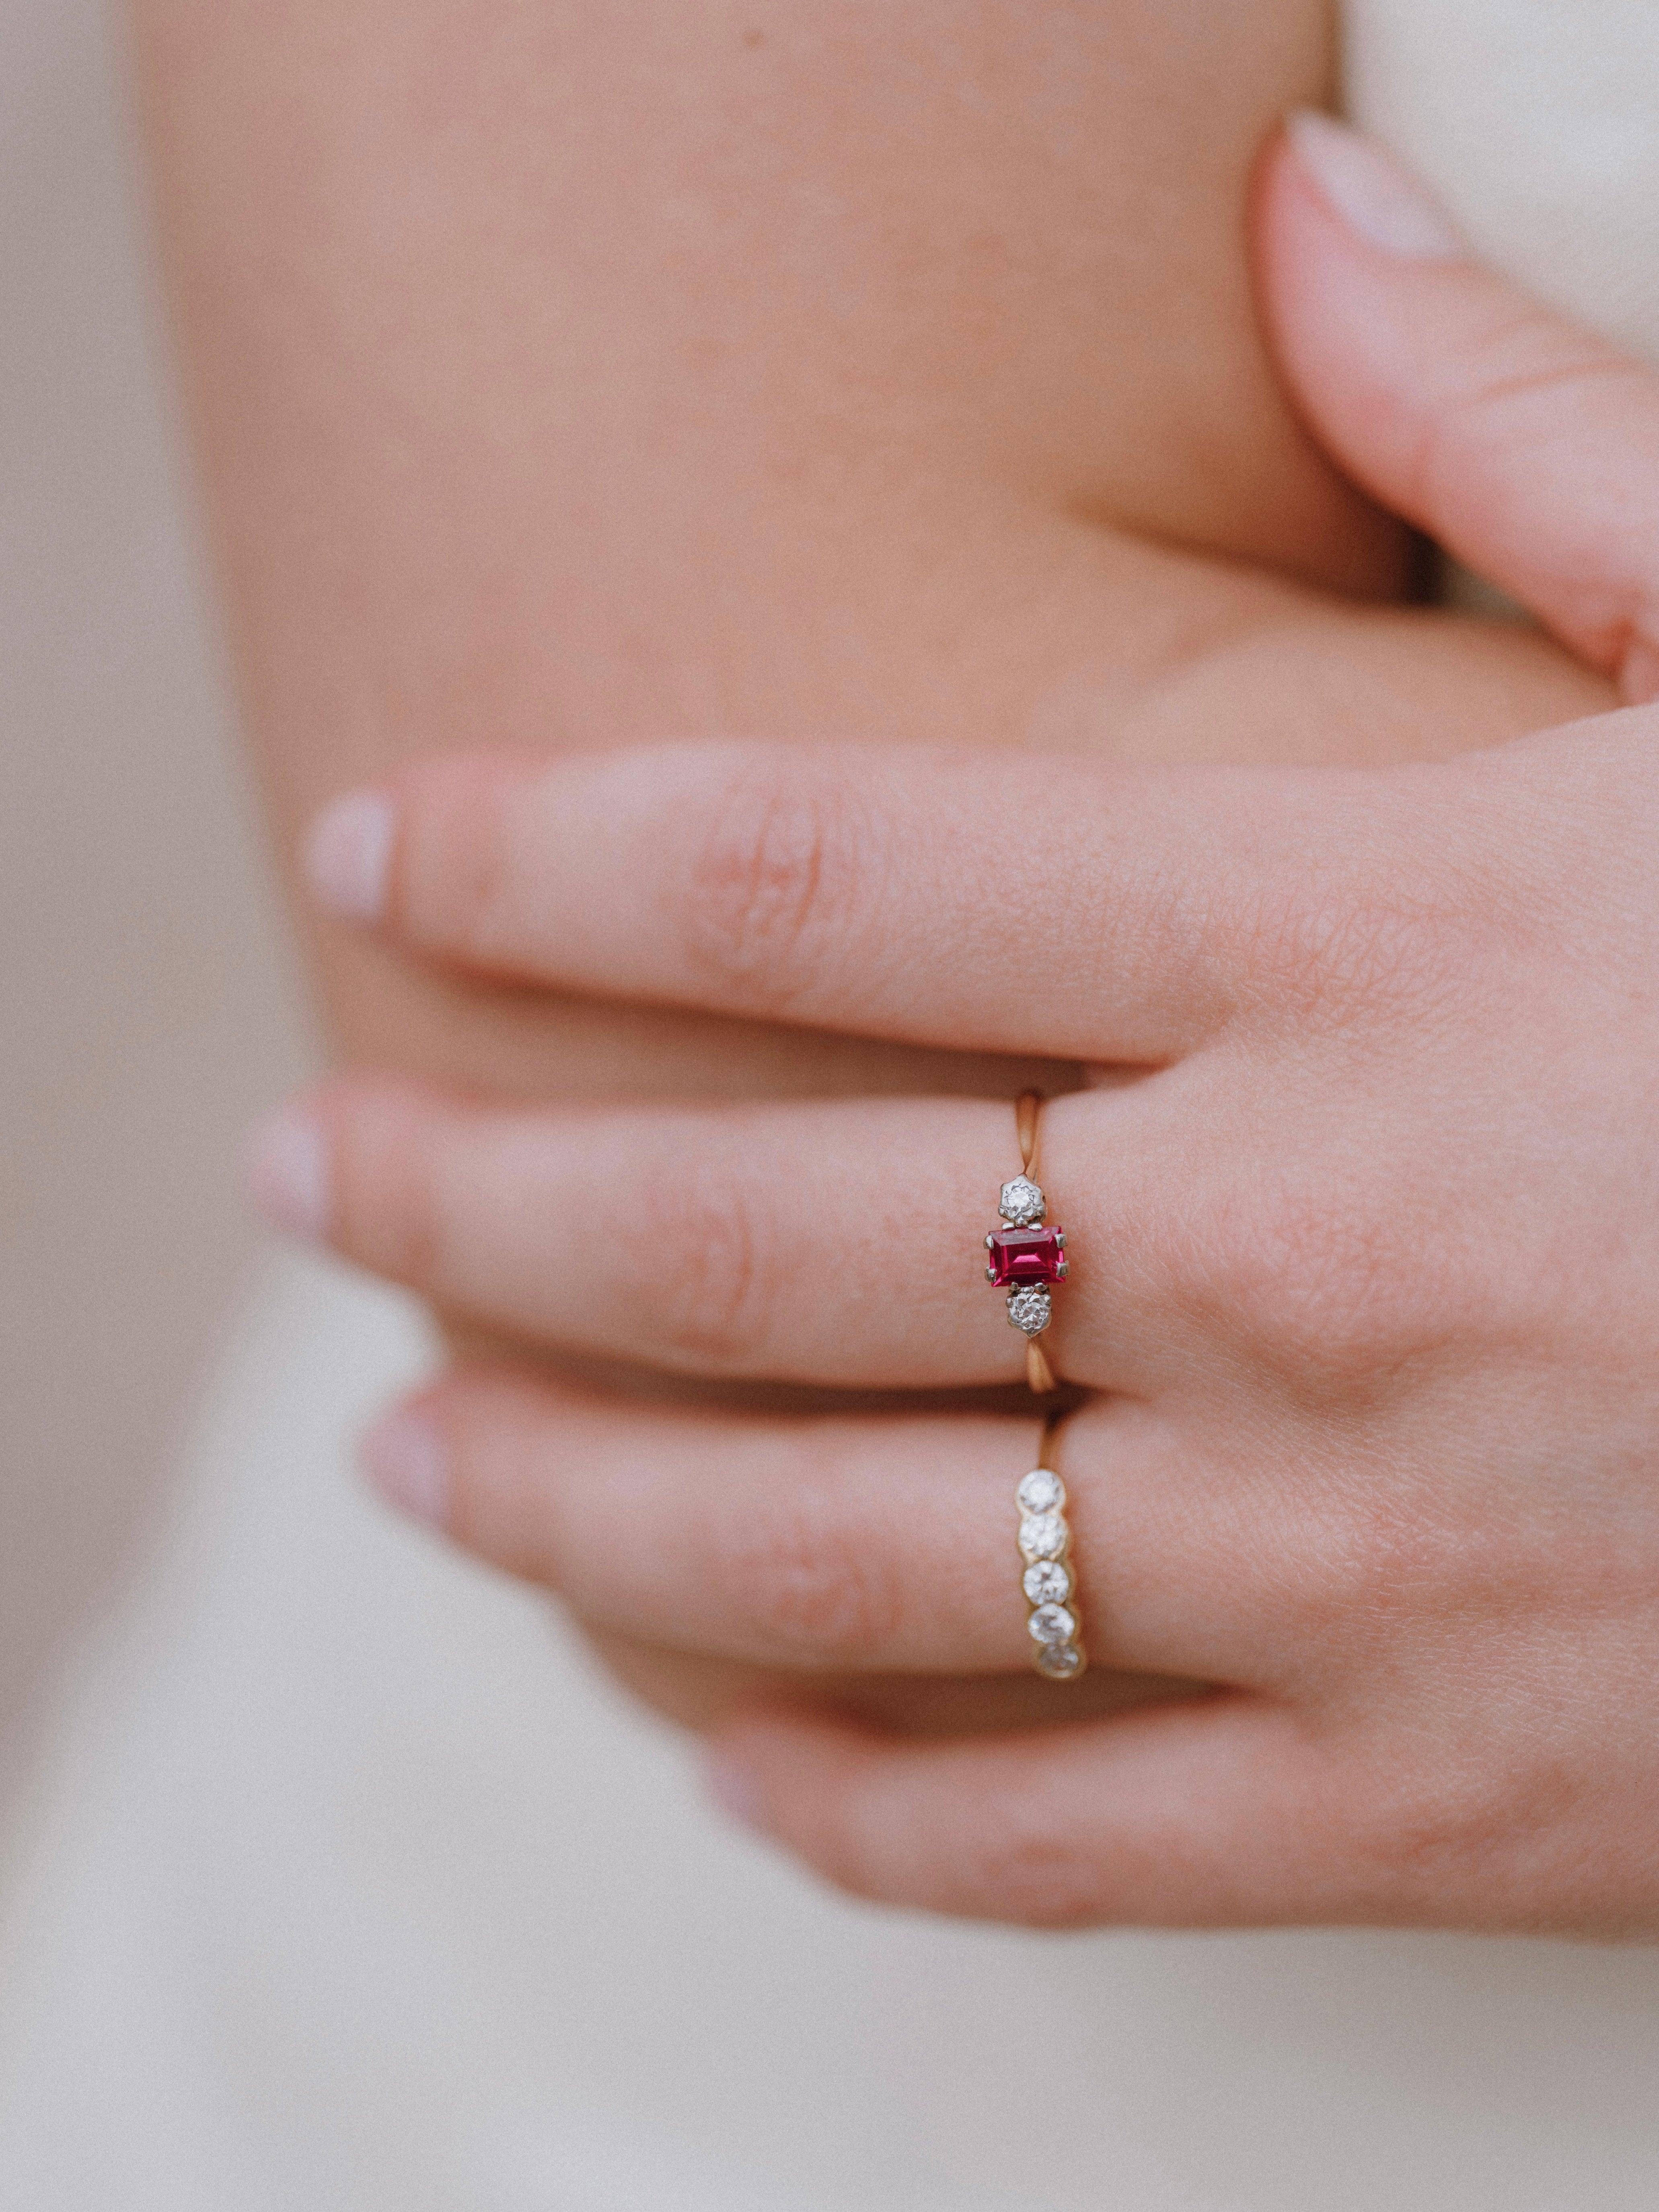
[1047, 1582]
[1052, 1624]
[1041, 1492]
[1062, 1662]
[1044, 1536]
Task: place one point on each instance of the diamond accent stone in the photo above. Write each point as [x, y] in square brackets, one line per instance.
[1042, 1492]
[1042, 1536]
[1059, 1661]
[1030, 1310]
[1022, 1202]
[1047, 1584]
[1052, 1624]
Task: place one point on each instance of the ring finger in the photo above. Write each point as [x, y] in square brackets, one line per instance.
[835, 1244]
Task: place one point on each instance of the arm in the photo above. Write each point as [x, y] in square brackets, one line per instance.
[565, 376]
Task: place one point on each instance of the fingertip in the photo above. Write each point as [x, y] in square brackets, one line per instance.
[406, 1461]
[1369, 193]
[811, 1781]
[735, 1784]
[347, 856]
[287, 1172]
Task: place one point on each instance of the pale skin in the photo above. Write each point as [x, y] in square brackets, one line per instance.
[566, 376]
[1371, 1303]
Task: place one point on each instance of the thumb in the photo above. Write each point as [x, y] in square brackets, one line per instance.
[1527, 445]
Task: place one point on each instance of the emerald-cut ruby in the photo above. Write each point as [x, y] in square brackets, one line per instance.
[1027, 1255]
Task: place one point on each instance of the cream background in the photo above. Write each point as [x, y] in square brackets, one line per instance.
[144, 1009]
[350, 1886]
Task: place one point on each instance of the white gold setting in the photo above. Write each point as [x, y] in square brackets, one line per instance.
[1030, 1310]
[1049, 1584]
[1022, 1205]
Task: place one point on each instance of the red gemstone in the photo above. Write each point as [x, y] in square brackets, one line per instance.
[1027, 1255]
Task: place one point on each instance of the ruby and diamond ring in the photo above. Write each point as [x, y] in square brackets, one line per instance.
[1025, 1257]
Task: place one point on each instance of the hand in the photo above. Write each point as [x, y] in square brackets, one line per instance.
[1367, 1260]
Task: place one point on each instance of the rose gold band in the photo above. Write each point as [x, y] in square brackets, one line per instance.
[1028, 1109]
[1028, 1113]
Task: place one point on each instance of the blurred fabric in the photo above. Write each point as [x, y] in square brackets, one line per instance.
[144, 1013]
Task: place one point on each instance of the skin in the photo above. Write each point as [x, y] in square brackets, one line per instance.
[569, 376]
[564, 377]
[1371, 1299]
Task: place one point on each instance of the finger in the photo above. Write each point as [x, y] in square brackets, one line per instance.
[962, 900]
[862, 1544]
[841, 1244]
[1226, 1812]
[703, 1693]
[1524, 443]
[885, 1544]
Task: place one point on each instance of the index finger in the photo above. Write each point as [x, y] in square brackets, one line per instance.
[969, 900]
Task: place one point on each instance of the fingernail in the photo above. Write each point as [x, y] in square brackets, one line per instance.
[407, 1462]
[347, 855]
[285, 1173]
[1369, 191]
[732, 1785]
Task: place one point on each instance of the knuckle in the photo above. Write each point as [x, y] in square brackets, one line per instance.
[816, 1594]
[385, 1193]
[1382, 951]
[1329, 1291]
[1041, 1871]
[503, 1501]
[776, 882]
[1364, 1567]
[457, 884]
[1457, 1830]
[1029, 1876]
[702, 1250]
[1526, 376]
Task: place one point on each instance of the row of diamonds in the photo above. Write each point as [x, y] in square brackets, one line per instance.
[1045, 1542]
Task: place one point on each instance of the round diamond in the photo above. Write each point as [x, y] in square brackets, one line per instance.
[1030, 1310]
[1042, 1492]
[1052, 1624]
[1042, 1536]
[1022, 1202]
[1047, 1584]
[1059, 1661]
